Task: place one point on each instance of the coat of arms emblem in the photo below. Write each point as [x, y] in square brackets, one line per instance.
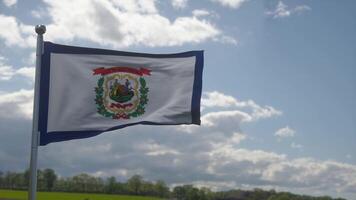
[121, 92]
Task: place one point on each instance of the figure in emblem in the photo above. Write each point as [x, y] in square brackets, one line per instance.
[121, 93]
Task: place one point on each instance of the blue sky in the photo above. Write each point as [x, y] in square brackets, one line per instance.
[279, 103]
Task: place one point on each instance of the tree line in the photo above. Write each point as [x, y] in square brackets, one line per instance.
[48, 180]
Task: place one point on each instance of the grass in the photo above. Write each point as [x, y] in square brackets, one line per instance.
[22, 195]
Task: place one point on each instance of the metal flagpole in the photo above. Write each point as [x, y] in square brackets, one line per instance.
[40, 30]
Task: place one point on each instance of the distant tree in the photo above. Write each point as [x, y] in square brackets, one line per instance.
[188, 192]
[49, 178]
[9, 180]
[206, 194]
[97, 184]
[281, 196]
[161, 188]
[122, 188]
[78, 182]
[1, 178]
[148, 188]
[19, 181]
[179, 192]
[325, 198]
[110, 185]
[26, 176]
[192, 193]
[61, 185]
[260, 194]
[40, 180]
[135, 184]
[81, 183]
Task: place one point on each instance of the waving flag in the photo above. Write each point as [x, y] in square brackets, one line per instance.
[86, 91]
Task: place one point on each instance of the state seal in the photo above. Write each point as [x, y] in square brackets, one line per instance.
[121, 92]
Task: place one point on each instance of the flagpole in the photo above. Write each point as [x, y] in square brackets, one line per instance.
[40, 30]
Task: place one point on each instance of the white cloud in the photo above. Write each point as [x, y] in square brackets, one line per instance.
[16, 34]
[12, 35]
[39, 13]
[313, 174]
[28, 72]
[231, 3]
[285, 132]
[217, 99]
[200, 12]
[219, 124]
[153, 148]
[31, 59]
[179, 4]
[7, 71]
[223, 117]
[112, 22]
[16, 104]
[237, 138]
[231, 117]
[255, 166]
[124, 23]
[296, 146]
[281, 10]
[227, 40]
[228, 153]
[223, 114]
[301, 8]
[134, 6]
[9, 3]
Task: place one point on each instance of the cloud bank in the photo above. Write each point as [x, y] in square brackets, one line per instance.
[210, 155]
[113, 23]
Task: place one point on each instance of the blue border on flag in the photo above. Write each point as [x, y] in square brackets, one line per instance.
[49, 137]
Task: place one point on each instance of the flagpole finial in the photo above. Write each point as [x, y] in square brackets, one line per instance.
[40, 29]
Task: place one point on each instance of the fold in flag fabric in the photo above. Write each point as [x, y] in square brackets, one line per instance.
[86, 91]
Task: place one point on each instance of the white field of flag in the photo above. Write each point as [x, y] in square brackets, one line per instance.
[86, 91]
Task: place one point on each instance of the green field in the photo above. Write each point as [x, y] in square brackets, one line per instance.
[22, 195]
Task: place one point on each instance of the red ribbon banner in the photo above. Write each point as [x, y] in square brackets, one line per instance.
[103, 71]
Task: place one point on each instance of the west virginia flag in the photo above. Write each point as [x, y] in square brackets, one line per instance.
[86, 91]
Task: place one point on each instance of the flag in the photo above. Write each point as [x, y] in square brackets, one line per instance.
[87, 91]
